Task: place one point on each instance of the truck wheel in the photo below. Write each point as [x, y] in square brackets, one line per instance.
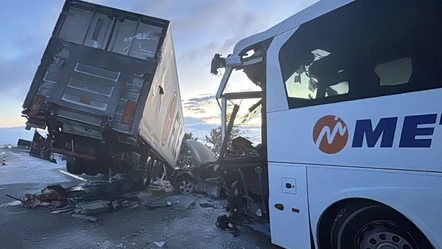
[90, 170]
[74, 167]
[142, 182]
[375, 226]
[185, 184]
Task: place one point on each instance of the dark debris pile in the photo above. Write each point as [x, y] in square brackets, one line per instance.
[84, 199]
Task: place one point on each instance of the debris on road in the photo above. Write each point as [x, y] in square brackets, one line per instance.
[131, 236]
[92, 207]
[85, 217]
[98, 197]
[12, 204]
[207, 205]
[160, 244]
[156, 204]
[227, 224]
[60, 211]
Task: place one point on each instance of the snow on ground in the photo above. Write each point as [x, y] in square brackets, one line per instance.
[21, 168]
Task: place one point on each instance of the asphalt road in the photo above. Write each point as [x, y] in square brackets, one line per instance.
[177, 226]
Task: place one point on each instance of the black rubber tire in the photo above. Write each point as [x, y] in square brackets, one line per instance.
[182, 178]
[352, 222]
[142, 182]
[91, 170]
[74, 167]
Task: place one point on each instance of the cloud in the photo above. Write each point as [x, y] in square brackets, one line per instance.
[16, 75]
[23, 44]
[203, 107]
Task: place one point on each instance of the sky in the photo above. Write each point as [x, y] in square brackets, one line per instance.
[200, 28]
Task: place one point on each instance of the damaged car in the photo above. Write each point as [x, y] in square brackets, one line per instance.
[196, 170]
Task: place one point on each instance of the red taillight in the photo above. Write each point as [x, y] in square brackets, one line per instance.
[85, 101]
[37, 105]
[129, 112]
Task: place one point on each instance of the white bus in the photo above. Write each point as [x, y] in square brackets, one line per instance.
[352, 105]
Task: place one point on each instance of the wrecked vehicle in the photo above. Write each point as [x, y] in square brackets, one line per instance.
[107, 92]
[196, 170]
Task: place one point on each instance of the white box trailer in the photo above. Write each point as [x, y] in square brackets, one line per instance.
[107, 91]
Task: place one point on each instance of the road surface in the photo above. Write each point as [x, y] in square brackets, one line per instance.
[137, 228]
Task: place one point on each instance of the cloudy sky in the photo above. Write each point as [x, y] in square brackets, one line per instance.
[200, 29]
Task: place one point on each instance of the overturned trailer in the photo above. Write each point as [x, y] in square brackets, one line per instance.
[107, 92]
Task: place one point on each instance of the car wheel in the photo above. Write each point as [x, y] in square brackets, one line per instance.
[375, 226]
[186, 185]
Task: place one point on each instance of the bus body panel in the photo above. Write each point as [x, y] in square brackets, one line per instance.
[415, 195]
[391, 132]
[288, 204]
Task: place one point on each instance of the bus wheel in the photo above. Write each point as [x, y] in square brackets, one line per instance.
[375, 227]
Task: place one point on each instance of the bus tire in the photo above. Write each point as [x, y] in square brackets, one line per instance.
[375, 226]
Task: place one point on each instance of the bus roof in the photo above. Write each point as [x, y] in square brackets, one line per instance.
[317, 9]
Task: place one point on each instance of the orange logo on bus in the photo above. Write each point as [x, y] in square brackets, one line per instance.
[330, 134]
[168, 121]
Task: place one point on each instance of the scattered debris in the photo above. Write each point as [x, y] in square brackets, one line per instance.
[160, 244]
[35, 203]
[15, 198]
[60, 211]
[158, 192]
[115, 205]
[155, 205]
[45, 204]
[85, 217]
[225, 223]
[192, 203]
[57, 203]
[131, 236]
[93, 207]
[169, 203]
[207, 205]
[134, 206]
[11, 204]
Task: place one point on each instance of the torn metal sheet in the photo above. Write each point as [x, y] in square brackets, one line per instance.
[93, 207]
[85, 217]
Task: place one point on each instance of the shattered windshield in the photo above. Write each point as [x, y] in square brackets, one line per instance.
[303, 83]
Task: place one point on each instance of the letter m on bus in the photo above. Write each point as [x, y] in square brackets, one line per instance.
[384, 131]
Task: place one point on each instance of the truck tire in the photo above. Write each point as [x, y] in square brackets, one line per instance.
[375, 226]
[142, 182]
[91, 170]
[74, 167]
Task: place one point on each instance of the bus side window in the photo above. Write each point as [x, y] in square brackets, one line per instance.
[347, 54]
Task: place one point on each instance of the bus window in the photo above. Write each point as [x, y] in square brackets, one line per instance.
[363, 50]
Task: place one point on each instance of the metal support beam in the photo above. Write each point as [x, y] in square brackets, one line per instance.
[243, 95]
[229, 130]
[223, 117]
[223, 84]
